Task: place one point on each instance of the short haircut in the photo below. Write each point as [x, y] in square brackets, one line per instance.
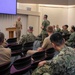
[1, 37]
[46, 16]
[57, 39]
[30, 27]
[66, 26]
[73, 28]
[49, 29]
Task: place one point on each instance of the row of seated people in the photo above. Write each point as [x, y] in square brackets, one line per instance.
[67, 35]
[46, 44]
[6, 55]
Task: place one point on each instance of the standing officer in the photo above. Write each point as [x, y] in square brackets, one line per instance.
[45, 23]
[18, 28]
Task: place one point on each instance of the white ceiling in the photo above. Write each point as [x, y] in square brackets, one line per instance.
[56, 2]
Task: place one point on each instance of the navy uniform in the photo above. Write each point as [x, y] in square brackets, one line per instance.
[65, 32]
[27, 38]
[58, 30]
[71, 40]
[62, 64]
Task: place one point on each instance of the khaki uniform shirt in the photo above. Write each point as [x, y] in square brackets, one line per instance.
[18, 25]
[5, 55]
[47, 43]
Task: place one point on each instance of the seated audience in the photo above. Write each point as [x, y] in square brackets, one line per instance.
[5, 53]
[54, 28]
[29, 37]
[46, 43]
[62, 64]
[71, 40]
[58, 29]
[65, 30]
[5, 44]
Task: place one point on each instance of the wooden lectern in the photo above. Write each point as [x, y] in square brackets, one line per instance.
[11, 31]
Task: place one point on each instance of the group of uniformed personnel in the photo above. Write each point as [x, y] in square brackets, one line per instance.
[63, 63]
[29, 37]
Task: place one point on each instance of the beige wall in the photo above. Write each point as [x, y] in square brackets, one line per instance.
[34, 7]
[71, 16]
[56, 15]
[34, 21]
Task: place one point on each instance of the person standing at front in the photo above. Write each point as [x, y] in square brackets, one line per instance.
[18, 28]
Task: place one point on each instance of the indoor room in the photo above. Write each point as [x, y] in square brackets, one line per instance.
[37, 37]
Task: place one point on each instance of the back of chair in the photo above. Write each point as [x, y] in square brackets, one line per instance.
[5, 69]
[51, 50]
[16, 50]
[22, 63]
[50, 53]
[12, 40]
[27, 46]
[39, 56]
[16, 47]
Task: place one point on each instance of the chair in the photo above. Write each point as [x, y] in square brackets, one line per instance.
[5, 69]
[16, 49]
[12, 40]
[27, 46]
[49, 53]
[21, 66]
[37, 57]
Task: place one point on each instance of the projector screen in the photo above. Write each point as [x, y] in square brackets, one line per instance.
[8, 6]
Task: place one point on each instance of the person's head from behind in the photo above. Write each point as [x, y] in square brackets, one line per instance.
[57, 26]
[65, 27]
[53, 26]
[1, 38]
[72, 29]
[30, 29]
[19, 18]
[57, 41]
[49, 30]
[45, 17]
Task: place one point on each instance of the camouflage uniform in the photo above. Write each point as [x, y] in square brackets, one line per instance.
[62, 64]
[45, 23]
[71, 39]
[58, 30]
[65, 32]
[27, 38]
